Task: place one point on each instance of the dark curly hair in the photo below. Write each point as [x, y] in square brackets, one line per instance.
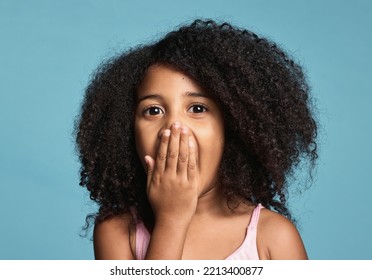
[263, 96]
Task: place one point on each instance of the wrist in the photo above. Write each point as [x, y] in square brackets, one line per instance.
[166, 221]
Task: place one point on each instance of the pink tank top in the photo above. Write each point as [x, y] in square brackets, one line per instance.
[246, 251]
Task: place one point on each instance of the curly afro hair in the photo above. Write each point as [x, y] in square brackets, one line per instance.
[263, 96]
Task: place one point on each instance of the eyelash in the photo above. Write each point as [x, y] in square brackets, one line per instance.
[146, 110]
[205, 109]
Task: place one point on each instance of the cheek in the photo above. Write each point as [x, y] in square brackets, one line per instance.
[214, 151]
[210, 145]
[145, 143]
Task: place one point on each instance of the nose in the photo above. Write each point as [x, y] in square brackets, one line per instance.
[167, 124]
[170, 120]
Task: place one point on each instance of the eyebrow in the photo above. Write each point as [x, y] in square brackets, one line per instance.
[197, 94]
[158, 96]
[149, 96]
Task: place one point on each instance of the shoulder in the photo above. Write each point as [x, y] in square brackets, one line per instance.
[113, 238]
[278, 238]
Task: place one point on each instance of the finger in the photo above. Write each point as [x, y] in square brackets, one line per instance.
[150, 163]
[161, 157]
[191, 165]
[173, 148]
[184, 151]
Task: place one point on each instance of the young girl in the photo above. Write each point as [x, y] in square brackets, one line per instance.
[186, 145]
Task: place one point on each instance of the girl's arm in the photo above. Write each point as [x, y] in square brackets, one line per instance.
[111, 239]
[167, 241]
[172, 189]
[278, 238]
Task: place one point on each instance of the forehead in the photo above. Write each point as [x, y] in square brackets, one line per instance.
[162, 79]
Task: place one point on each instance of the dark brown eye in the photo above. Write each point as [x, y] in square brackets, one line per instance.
[197, 109]
[152, 111]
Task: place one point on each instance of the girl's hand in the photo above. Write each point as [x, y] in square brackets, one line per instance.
[172, 187]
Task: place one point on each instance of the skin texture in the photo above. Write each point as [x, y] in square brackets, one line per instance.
[180, 136]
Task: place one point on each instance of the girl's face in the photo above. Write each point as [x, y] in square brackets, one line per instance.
[166, 96]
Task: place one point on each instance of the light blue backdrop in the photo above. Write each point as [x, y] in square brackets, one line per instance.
[48, 49]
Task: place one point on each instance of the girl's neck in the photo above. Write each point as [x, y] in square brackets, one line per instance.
[211, 202]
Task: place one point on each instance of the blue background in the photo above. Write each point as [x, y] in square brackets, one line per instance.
[48, 49]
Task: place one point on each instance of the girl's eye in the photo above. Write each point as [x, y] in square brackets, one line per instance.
[197, 109]
[153, 111]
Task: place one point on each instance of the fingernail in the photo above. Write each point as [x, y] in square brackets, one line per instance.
[184, 129]
[166, 132]
[177, 124]
[146, 160]
[191, 143]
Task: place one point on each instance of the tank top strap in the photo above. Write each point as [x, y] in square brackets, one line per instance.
[248, 249]
[142, 236]
[255, 216]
